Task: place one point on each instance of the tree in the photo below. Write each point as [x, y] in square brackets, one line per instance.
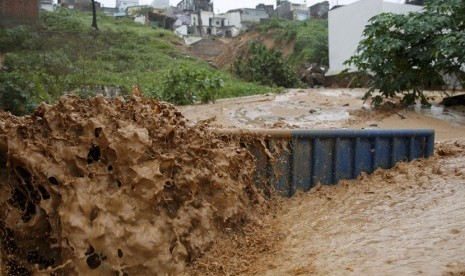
[94, 16]
[266, 66]
[407, 54]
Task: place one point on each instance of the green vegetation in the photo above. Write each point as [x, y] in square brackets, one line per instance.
[183, 85]
[406, 54]
[266, 66]
[63, 54]
[311, 39]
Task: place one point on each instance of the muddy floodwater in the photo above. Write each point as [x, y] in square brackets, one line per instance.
[327, 109]
[409, 220]
[134, 187]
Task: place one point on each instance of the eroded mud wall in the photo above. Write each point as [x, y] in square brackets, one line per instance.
[113, 187]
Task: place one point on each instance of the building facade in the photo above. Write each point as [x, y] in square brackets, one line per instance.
[82, 5]
[292, 11]
[196, 5]
[268, 8]
[345, 30]
[123, 5]
[320, 10]
[160, 4]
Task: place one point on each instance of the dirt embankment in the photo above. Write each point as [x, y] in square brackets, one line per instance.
[222, 52]
[116, 187]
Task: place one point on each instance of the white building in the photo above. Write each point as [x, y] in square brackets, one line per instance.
[346, 25]
[229, 24]
[47, 5]
[300, 12]
[160, 4]
[122, 5]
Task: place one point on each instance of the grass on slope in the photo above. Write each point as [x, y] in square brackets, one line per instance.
[311, 39]
[63, 54]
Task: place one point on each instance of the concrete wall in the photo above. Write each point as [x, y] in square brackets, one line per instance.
[253, 15]
[181, 30]
[122, 5]
[235, 31]
[234, 19]
[219, 22]
[47, 6]
[301, 15]
[346, 25]
[194, 19]
[284, 10]
[205, 16]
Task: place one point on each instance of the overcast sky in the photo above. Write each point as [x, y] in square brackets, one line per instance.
[225, 5]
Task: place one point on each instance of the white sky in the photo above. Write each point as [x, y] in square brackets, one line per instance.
[221, 6]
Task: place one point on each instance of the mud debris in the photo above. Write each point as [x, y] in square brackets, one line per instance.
[115, 187]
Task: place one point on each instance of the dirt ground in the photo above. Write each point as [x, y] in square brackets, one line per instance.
[326, 109]
[222, 52]
[408, 220]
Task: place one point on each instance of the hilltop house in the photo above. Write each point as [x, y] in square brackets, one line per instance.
[139, 14]
[82, 5]
[320, 10]
[19, 11]
[268, 8]
[123, 5]
[195, 5]
[196, 17]
[292, 11]
[345, 30]
[160, 4]
[47, 5]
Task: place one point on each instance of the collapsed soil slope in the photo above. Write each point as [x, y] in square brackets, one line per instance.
[222, 52]
[115, 187]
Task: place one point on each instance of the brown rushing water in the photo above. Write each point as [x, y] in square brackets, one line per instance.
[406, 221]
[409, 220]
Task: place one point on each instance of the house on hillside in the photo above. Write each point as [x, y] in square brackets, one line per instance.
[139, 14]
[109, 10]
[196, 18]
[196, 5]
[247, 16]
[346, 25]
[159, 18]
[160, 4]
[47, 5]
[292, 11]
[123, 5]
[268, 8]
[319, 10]
[81, 5]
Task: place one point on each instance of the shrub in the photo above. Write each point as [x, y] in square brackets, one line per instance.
[184, 85]
[406, 54]
[19, 95]
[266, 66]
